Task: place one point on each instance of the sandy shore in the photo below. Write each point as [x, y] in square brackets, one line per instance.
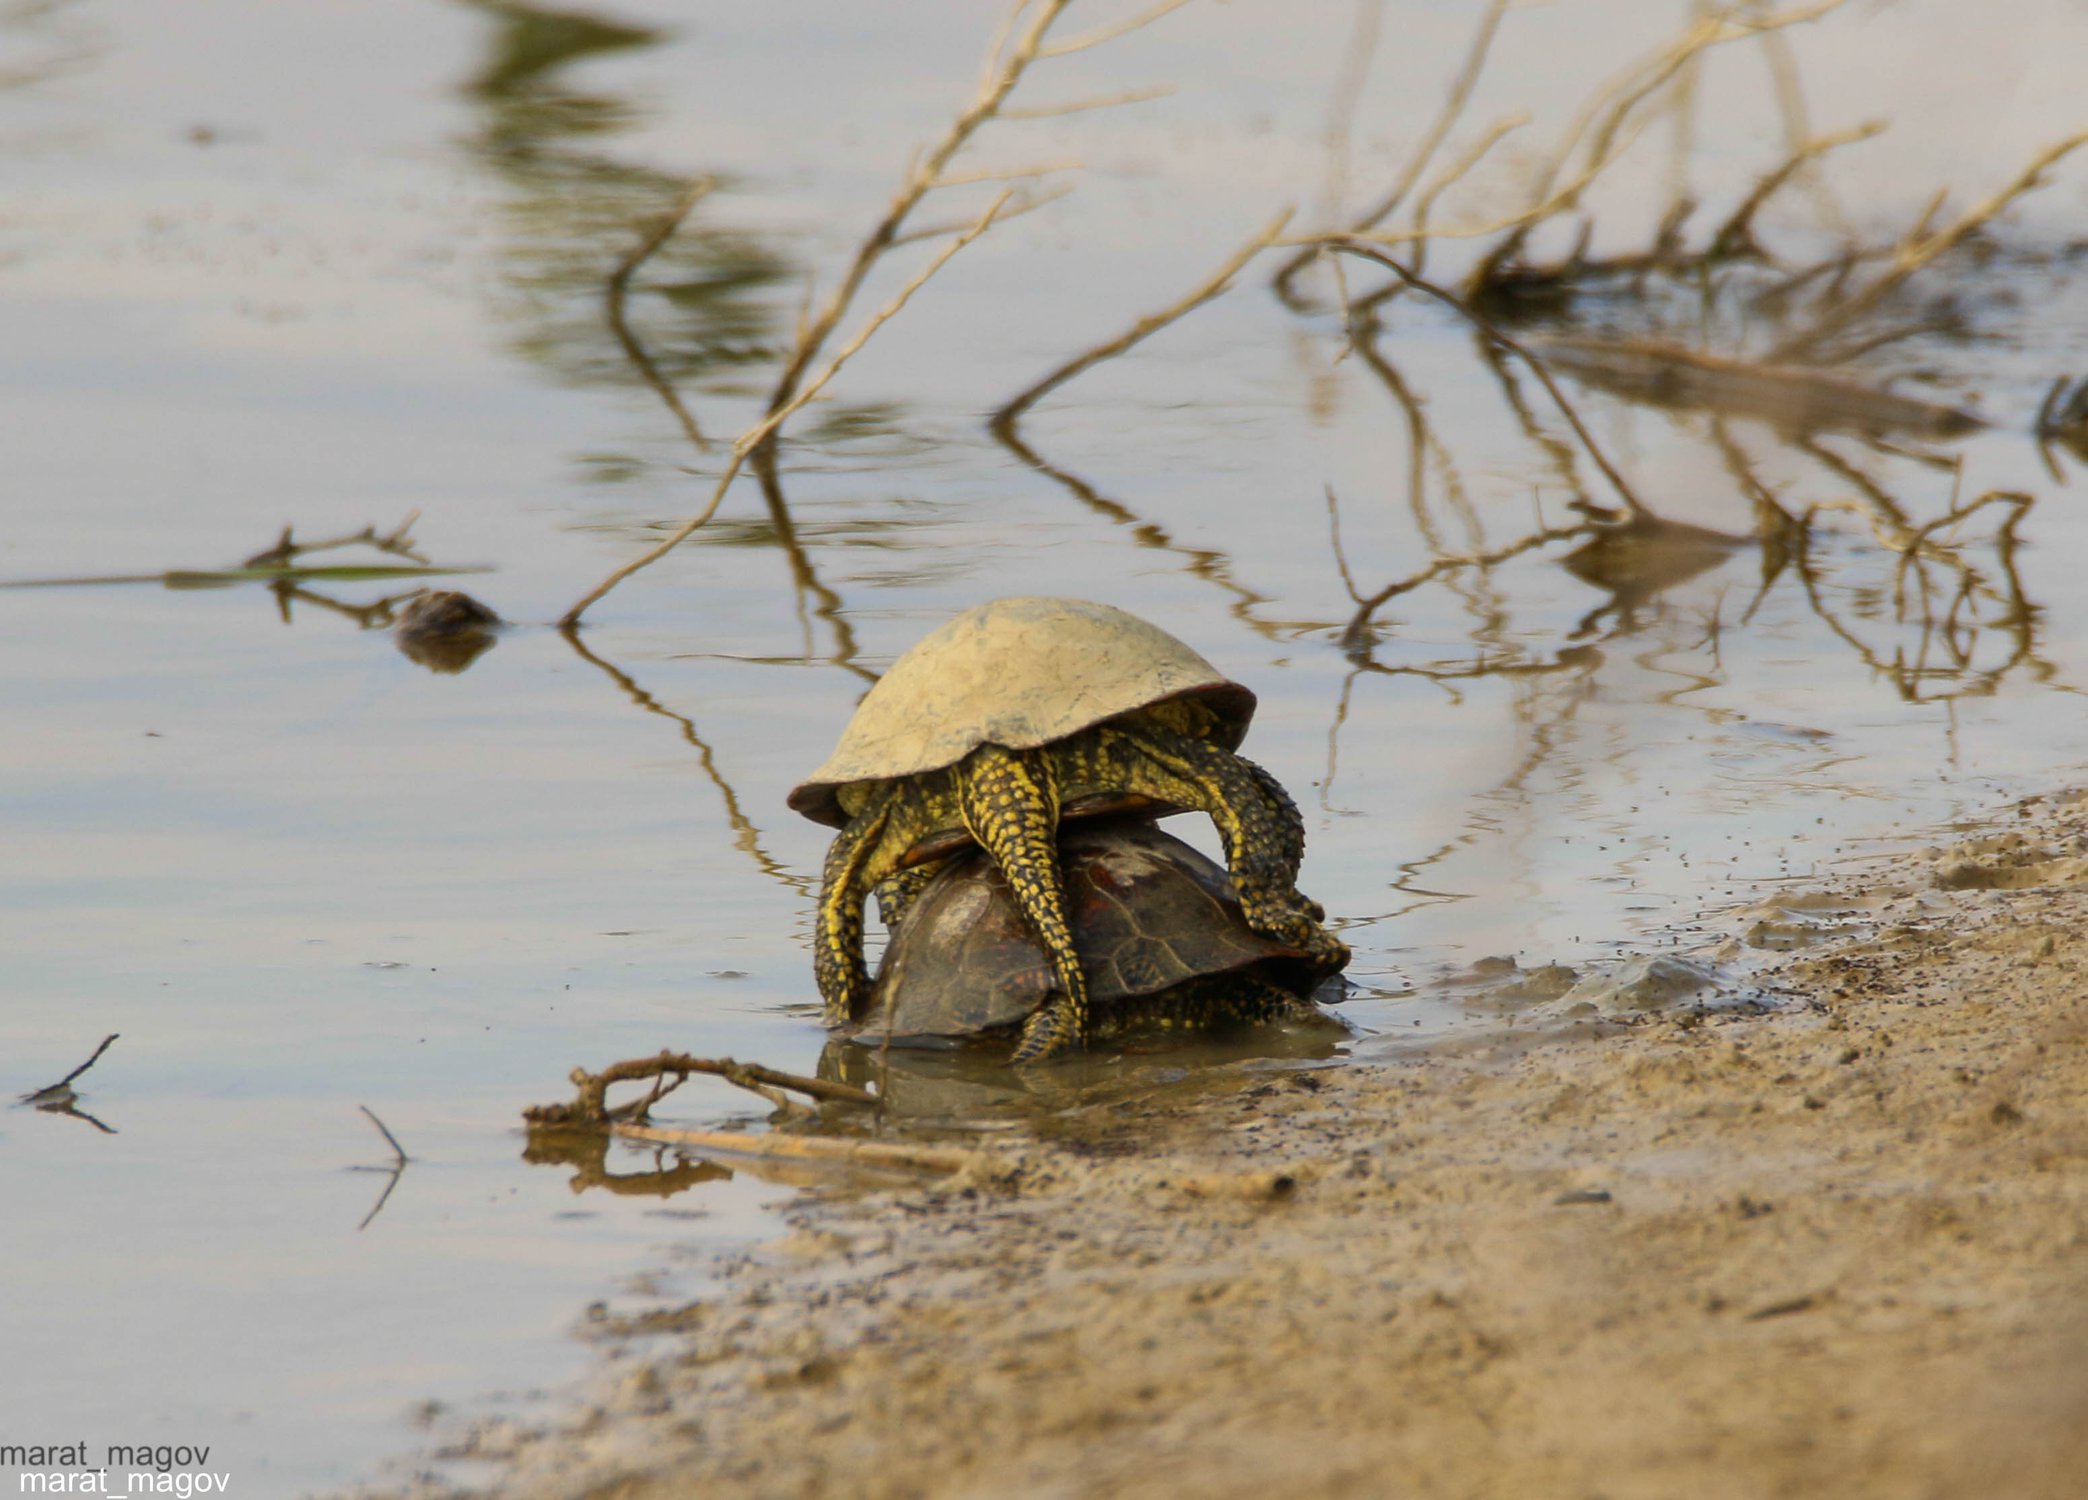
[1837, 1249]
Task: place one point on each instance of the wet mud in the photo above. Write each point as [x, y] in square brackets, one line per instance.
[1831, 1244]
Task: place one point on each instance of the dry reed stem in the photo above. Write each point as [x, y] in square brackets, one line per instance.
[1920, 248]
[1736, 236]
[1454, 102]
[1602, 121]
[819, 1148]
[747, 442]
[1209, 289]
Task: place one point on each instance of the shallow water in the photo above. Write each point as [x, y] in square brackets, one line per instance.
[352, 268]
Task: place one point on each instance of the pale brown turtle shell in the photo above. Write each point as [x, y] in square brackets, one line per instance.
[1019, 673]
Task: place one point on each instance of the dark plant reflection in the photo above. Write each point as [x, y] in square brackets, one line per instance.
[587, 1152]
[573, 208]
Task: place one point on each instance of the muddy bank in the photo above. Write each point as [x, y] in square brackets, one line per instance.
[1840, 1248]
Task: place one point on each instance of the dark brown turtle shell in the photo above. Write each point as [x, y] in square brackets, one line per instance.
[1151, 917]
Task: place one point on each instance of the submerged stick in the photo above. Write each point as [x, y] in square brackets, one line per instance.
[818, 1148]
[398, 1151]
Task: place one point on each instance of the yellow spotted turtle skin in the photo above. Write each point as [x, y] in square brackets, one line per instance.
[1008, 801]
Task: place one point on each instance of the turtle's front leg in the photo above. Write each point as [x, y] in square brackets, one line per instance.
[1259, 825]
[1010, 803]
[837, 938]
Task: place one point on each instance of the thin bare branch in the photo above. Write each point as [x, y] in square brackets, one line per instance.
[1015, 210]
[398, 542]
[590, 1109]
[1083, 106]
[1359, 623]
[1736, 236]
[924, 173]
[969, 179]
[1606, 127]
[64, 1085]
[1112, 31]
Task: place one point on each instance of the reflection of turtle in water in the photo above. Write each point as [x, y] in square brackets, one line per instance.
[1159, 931]
[1003, 720]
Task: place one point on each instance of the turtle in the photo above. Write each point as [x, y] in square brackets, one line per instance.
[1001, 722]
[1158, 928]
[445, 631]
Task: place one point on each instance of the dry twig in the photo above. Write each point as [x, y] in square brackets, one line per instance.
[668, 1071]
[398, 542]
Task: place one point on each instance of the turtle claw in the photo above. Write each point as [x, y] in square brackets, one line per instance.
[1048, 1033]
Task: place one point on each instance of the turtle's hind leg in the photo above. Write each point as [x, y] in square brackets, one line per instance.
[852, 868]
[896, 893]
[1010, 802]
